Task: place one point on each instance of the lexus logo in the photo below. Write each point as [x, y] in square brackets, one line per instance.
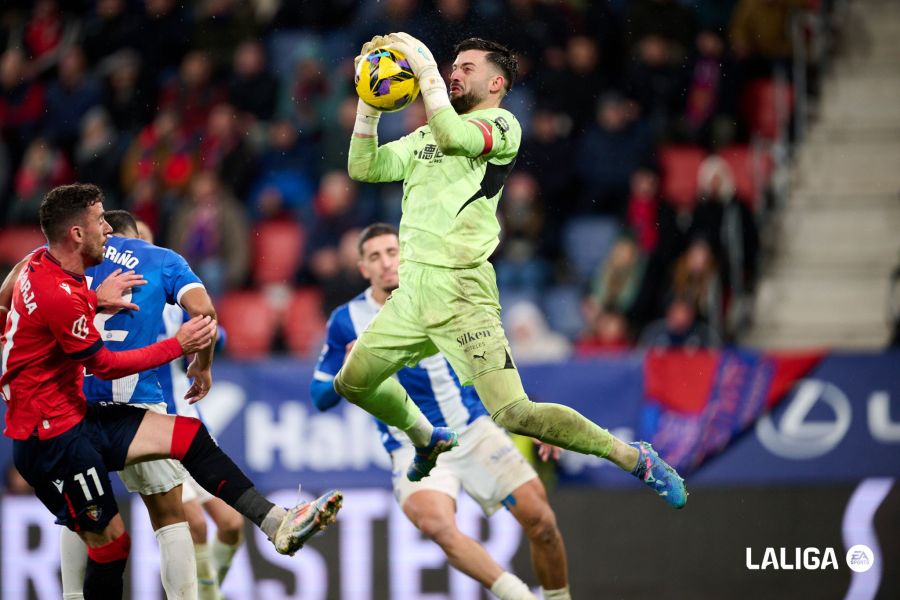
[797, 438]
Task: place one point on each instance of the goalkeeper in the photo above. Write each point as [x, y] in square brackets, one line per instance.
[453, 170]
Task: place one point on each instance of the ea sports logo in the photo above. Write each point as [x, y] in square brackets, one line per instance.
[860, 558]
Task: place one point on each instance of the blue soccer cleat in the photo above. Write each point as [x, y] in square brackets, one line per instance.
[659, 475]
[442, 440]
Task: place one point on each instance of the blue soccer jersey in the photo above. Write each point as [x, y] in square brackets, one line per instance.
[168, 278]
[431, 384]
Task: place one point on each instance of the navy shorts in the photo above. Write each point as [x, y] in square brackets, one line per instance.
[70, 472]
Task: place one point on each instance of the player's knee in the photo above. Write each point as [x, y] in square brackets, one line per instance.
[438, 529]
[541, 527]
[517, 417]
[346, 385]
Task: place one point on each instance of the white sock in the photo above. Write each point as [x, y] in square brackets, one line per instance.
[178, 568]
[73, 558]
[222, 555]
[560, 594]
[208, 588]
[510, 587]
[272, 520]
[420, 432]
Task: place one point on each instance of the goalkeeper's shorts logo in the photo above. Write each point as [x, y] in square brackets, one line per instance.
[472, 336]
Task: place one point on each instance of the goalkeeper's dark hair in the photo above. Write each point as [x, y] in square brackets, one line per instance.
[373, 231]
[121, 221]
[498, 54]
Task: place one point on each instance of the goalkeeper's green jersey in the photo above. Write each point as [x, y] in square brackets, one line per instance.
[449, 202]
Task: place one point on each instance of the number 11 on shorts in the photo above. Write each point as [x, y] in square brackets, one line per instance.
[83, 481]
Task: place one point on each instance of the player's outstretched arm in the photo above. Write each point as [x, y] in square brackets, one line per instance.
[197, 303]
[455, 136]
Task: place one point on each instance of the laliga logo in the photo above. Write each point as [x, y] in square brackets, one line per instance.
[860, 558]
[795, 437]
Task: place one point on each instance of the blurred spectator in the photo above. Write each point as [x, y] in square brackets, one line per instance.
[730, 225]
[110, 29]
[309, 97]
[656, 81]
[219, 26]
[710, 106]
[209, 229]
[47, 35]
[449, 22]
[607, 332]
[530, 338]
[285, 184]
[97, 155]
[69, 99]
[665, 18]
[608, 154]
[21, 102]
[336, 269]
[252, 89]
[225, 149]
[547, 153]
[681, 328]
[760, 33]
[336, 212]
[583, 80]
[335, 139]
[43, 168]
[193, 93]
[160, 151]
[696, 278]
[377, 18]
[147, 203]
[520, 266]
[163, 36]
[620, 280]
[129, 104]
[714, 15]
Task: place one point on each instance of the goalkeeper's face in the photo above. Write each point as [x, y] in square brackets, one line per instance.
[472, 80]
[380, 260]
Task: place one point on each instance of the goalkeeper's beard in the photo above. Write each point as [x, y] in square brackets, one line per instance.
[463, 103]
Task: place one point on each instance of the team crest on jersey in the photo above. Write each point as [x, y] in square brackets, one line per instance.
[93, 512]
[66, 288]
[80, 327]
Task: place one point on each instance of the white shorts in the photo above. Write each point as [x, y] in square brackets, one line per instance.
[486, 464]
[194, 491]
[154, 476]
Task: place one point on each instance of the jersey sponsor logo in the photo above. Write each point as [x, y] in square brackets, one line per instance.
[65, 287]
[27, 292]
[430, 153]
[80, 327]
[125, 259]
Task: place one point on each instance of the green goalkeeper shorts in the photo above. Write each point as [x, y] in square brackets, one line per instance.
[452, 311]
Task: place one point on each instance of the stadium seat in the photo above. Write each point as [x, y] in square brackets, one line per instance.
[767, 106]
[250, 323]
[16, 242]
[587, 241]
[304, 324]
[277, 251]
[679, 165]
[751, 172]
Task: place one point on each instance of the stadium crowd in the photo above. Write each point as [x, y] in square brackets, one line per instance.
[634, 214]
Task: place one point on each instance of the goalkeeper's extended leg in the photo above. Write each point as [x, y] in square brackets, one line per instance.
[505, 398]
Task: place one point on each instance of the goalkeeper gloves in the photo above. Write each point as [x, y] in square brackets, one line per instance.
[424, 67]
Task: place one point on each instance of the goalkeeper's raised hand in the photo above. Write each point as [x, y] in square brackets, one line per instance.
[424, 67]
[366, 116]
